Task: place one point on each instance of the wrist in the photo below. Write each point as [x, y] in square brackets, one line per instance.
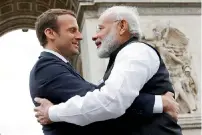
[52, 113]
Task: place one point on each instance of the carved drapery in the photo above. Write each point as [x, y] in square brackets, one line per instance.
[172, 46]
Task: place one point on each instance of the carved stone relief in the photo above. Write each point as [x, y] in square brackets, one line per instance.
[15, 14]
[172, 46]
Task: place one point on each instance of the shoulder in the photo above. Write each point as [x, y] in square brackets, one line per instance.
[49, 64]
[46, 69]
[138, 50]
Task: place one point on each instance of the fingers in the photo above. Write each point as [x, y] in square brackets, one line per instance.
[42, 101]
[37, 115]
[36, 109]
[38, 100]
[170, 94]
[173, 115]
[172, 107]
[43, 120]
[177, 108]
[41, 111]
[38, 112]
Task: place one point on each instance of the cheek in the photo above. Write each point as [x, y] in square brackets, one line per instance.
[102, 35]
[66, 40]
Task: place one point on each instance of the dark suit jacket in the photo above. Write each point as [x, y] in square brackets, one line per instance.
[57, 81]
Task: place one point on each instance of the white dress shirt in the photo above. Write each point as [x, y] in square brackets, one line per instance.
[56, 54]
[134, 65]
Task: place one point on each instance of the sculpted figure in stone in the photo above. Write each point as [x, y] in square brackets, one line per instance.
[178, 80]
[172, 46]
[162, 36]
[190, 87]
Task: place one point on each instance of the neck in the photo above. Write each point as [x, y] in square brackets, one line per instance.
[124, 43]
[125, 38]
[55, 49]
[128, 39]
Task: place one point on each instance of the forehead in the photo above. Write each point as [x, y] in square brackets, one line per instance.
[67, 20]
[105, 19]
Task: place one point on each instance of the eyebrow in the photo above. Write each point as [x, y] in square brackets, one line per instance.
[100, 25]
[73, 27]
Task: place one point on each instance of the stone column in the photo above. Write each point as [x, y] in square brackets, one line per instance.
[93, 67]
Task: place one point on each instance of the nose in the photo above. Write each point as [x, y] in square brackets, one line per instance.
[94, 37]
[79, 36]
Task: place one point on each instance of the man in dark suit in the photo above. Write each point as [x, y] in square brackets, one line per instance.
[53, 78]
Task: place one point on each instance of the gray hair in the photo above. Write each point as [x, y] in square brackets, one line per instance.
[128, 13]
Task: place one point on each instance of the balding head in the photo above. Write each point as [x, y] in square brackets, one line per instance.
[116, 26]
[127, 13]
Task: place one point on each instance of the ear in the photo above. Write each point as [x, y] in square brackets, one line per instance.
[50, 33]
[123, 25]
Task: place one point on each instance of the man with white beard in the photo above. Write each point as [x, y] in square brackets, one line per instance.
[135, 70]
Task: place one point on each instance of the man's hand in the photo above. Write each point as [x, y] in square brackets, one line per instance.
[42, 111]
[170, 106]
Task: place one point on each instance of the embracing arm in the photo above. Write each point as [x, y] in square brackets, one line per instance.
[147, 104]
[131, 71]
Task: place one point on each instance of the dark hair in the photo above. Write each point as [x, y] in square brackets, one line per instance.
[48, 19]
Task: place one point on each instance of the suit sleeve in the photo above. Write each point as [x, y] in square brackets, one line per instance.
[144, 104]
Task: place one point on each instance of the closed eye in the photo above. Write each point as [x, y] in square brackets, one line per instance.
[99, 28]
[72, 30]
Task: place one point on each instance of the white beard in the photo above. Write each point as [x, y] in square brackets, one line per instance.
[108, 45]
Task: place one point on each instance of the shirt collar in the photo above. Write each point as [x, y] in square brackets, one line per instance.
[56, 54]
[113, 54]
